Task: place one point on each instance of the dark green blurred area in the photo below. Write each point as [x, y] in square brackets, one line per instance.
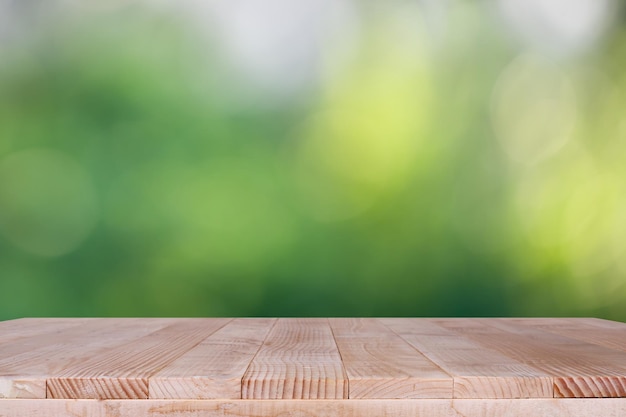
[309, 159]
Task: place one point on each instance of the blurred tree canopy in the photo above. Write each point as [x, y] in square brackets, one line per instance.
[329, 158]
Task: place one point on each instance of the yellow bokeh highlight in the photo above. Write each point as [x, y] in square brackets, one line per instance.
[366, 137]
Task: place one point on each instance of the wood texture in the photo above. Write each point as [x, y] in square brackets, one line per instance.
[123, 371]
[12, 330]
[32, 334]
[380, 364]
[298, 360]
[322, 367]
[478, 372]
[608, 407]
[26, 367]
[579, 369]
[598, 332]
[215, 367]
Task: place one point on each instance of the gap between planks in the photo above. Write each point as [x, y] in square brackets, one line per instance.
[380, 364]
[26, 374]
[123, 371]
[334, 348]
[477, 371]
[579, 369]
[214, 368]
[299, 359]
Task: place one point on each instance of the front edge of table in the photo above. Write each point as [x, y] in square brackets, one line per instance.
[571, 407]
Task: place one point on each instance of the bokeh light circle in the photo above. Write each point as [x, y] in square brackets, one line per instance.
[533, 109]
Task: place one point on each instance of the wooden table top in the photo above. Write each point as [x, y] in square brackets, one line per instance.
[316, 358]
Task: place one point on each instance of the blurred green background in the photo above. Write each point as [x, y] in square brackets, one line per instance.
[312, 158]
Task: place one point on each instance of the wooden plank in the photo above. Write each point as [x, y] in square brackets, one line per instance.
[599, 332]
[215, 367]
[608, 407]
[12, 330]
[609, 324]
[24, 372]
[25, 335]
[298, 360]
[123, 372]
[579, 369]
[49, 336]
[380, 364]
[478, 372]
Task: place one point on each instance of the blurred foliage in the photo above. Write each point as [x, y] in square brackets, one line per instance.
[370, 160]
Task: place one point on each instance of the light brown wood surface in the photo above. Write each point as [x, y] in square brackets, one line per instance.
[123, 371]
[579, 369]
[11, 330]
[31, 363]
[299, 359]
[380, 364]
[479, 372]
[292, 367]
[541, 407]
[586, 329]
[214, 368]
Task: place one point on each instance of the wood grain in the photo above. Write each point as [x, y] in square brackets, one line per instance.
[305, 367]
[579, 369]
[380, 364]
[608, 407]
[215, 367]
[13, 330]
[123, 371]
[299, 360]
[478, 372]
[25, 369]
[31, 334]
[598, 332]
